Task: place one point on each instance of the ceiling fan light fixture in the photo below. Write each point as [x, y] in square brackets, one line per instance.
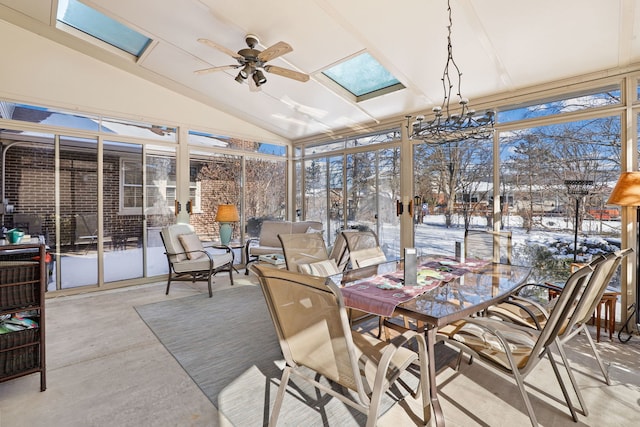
[246, 71]
[253, 62]
[259, 78]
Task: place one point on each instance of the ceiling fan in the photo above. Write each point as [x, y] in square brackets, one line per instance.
[252, 61]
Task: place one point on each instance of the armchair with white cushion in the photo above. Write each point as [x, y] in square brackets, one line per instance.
[189, 260]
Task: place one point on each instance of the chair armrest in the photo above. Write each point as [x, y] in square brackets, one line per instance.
[546, 285]
[175, 253]
[219, 246]
[391, 349]
[226, 248]
[247, 247]
[527, 305]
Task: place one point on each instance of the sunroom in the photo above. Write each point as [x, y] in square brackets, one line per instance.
[102, 147]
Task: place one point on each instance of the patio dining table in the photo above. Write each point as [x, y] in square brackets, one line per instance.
[447, 290]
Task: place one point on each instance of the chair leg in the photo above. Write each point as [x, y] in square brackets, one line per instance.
[209, 284]
[231, 274]
[374, 407]
[168, 283]
[597, 355]
[280, 396]
[246, 267]
[567, 398]
[525, 397]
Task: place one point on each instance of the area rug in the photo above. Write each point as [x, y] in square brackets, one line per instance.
[228, 346]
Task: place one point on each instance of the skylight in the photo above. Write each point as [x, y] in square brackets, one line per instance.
[101, 27]
[362, 75]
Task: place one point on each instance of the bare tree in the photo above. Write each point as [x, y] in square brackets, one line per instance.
[455, 176]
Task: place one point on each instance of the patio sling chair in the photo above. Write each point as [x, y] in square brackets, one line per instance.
[313, 329]
[86, 230]
[528, 312]
[516, 350]
[188, 260]
[307, 253]
[495, 246]
[364, 251]
[339, 252]
[364, 248]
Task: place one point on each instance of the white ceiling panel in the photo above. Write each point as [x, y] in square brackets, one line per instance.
[39, 10]
[499, 46]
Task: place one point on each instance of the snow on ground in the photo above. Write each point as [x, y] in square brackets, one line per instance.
[431, 237]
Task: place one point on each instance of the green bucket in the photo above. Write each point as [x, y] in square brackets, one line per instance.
[14, 235]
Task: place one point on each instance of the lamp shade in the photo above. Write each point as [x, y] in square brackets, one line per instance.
[627, 190]
[227, 213]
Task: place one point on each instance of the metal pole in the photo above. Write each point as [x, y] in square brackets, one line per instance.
[637, 308]
[575, 238]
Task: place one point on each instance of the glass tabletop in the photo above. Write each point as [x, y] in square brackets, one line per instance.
[455, 291]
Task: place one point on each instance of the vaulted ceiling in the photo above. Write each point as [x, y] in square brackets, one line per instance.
[500, 46]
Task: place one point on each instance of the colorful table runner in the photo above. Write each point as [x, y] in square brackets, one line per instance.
[381, 294]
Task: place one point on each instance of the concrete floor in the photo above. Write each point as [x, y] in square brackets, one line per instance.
[106, 368]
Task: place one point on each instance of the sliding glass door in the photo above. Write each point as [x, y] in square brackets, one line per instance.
[122, 211]
[77, 219]
[159, 207]
[356, 191]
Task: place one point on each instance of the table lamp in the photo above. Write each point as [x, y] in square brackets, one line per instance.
[225, 216]
[627, 193]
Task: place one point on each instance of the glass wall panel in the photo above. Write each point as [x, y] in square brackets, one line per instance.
[356, 191]
[265, 193]
[78, 219]
[28, 179]
[388, 190]
[266, 148]
[361, 190]
[204, 139]
[48, 116]
[592, 98]
[159, 210]
[123, 191]
[454, 184]
[138, 129]
[315, 191]
[375, 138]
[213, 180]
[297, 182]
[336, 198]
[324, 148]
[539, 166]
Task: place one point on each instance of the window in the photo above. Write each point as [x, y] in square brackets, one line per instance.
[363, 77]
[87, 122]
[161, 190]
[376, 138]
[204, 139]
[101, 27]
[600, 97]
[131, 180]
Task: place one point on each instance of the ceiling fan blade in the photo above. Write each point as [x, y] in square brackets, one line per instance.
[274, 51]
[221, 49]
[285, 72]
[219, 68]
